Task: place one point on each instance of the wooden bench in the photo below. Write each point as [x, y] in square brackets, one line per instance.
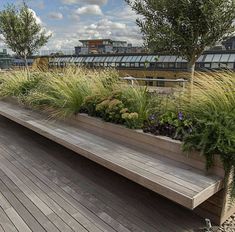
[177, 181]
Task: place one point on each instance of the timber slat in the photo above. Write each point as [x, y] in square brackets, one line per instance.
[39, 177]
[180, 183]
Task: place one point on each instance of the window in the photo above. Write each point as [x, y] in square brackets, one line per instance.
[231, 65]
[208, 65]
[161, 58]
[232, 58]
[133, 59]
[148, 82]
[119, 58]
[154, 59]
[172, 59]
[86, 59]
[129, 58]
[159, 65]
[161, 82]
[167, 59]
[149, 58]
[144, 58]
[125, 58]
[138, 58]
[209, 58]
[103, 59]
[96, 59]
[115, 59]
[215, 65]
[172, 65]
[216, 58]
[200, 59]
[225, 58]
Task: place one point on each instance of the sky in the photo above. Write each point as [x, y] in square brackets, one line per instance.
[71, 20]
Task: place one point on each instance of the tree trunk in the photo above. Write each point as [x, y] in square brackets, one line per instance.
[26, 64]
[191, 71]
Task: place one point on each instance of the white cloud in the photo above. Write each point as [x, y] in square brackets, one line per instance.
[108, 24]
[38, 19]
[89, 2]
[89, 10]
[55, 15]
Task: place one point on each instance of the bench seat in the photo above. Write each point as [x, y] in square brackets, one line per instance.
[174, 180]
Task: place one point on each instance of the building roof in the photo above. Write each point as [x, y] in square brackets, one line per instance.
[86, 40]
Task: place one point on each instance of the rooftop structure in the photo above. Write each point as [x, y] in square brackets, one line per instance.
[229, 44]
[106, 46]
[5, 59]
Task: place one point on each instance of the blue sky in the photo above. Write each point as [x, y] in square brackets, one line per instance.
[72, 20]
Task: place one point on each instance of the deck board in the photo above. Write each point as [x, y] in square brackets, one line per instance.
[79, 187]
[180, 183]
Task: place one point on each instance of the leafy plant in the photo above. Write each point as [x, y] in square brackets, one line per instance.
[170, 124]
[214, 133]
[21, 31]
[212, 105]
[184, 28]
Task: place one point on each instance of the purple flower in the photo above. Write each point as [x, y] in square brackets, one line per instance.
[180, 116]
[152, 117]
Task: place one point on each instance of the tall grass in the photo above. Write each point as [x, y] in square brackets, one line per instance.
[17, 83]
[212, 108]
[62, 94]
[211, 93]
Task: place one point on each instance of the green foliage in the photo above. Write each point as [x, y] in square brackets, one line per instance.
[18, 84]
[61, 95]
[212, 105]
[171, 124]
[202, 117]
[214, 133]
[184, 27]
[110, 110]
[21, 32]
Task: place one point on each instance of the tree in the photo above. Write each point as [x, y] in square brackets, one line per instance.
[184, 27]
[21, 31]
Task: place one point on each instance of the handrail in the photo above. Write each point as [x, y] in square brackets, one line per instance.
[133, 79]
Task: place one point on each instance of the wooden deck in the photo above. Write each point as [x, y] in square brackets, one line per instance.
[45, 187]
[178, 182]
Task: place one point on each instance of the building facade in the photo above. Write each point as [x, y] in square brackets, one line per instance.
[5, 60]
[150, 66]
[106, 46]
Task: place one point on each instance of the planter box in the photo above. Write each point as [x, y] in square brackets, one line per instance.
[216, 208]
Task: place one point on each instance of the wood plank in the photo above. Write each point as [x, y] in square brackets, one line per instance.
[6, 223]
[72, 201]
[17, 220]
[13, 215]
[66, 211]
[46, 158]
[85, 182]
[167, 185]
[24, 207]
[42, 170]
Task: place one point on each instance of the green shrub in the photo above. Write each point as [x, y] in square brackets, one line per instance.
[212, 105]
[18, 84]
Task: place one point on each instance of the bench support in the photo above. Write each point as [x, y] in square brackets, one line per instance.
[217, 208]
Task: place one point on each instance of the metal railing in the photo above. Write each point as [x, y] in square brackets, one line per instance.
[132, 80]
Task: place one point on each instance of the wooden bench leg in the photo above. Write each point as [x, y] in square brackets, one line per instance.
[217, 208]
